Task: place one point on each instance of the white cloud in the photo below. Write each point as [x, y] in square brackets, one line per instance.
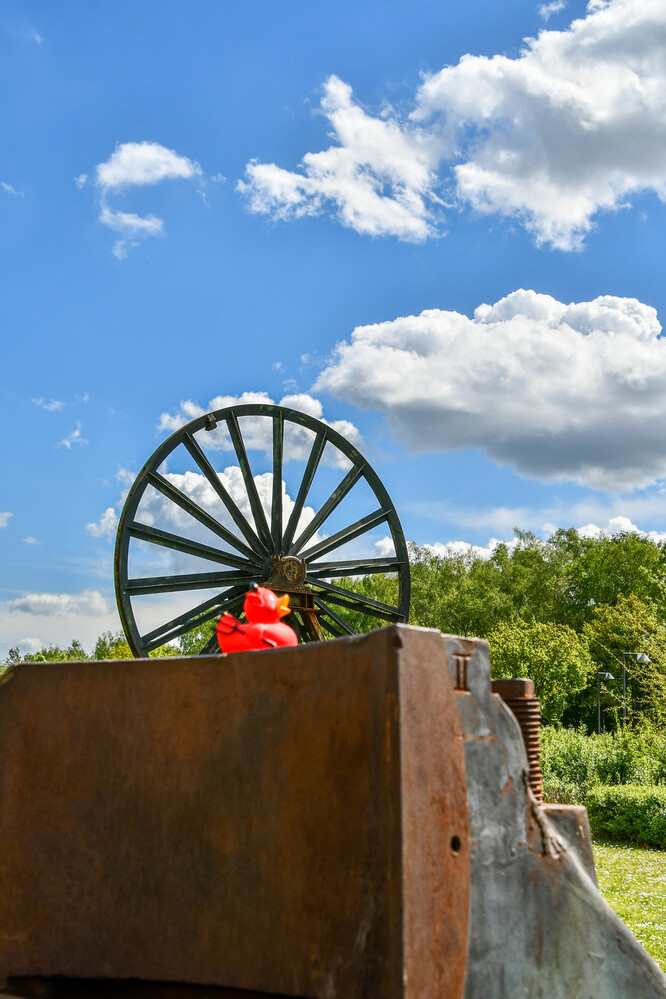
[106, 526]
[35, 36]
[29, 645]
[136, 164]
[89, 603]
[257, 431]
[157, 511]
[11, 190]
[571, 127]
[4, 519]
[37, 620]
[131, 224]
[74, 437]
[379, 176]
[81, 180]
[546, 10]
[619, 525]
[30, 540]
[52, 405]
[449, 549]
[558, 391]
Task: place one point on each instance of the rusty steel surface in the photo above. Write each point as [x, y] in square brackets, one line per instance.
[518, 695]
[291, 821]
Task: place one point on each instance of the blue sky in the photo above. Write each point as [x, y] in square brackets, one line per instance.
[203, 200]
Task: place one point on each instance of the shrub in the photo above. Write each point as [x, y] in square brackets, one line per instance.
[629, 812]
[560, 793]
[628, 756]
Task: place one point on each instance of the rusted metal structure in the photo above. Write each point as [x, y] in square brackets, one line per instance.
[222, 543]
[346, 819]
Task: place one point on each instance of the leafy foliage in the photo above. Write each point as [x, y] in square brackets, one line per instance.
[631, 813]
[572, 759]
[552, 655]
[556, 610]
[580, 602]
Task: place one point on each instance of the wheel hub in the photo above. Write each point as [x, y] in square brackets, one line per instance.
[287, 574]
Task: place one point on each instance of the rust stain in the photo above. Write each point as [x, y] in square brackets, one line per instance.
[245, 823]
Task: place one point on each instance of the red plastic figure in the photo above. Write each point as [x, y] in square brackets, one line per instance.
[263, 628]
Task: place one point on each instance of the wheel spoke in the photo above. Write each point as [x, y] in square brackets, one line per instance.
[211, 646]
[347, 534]
[206, 611]
[248, 478]
[327, 626]
[338, 620]
[316, 452]
[276, 505]
[245, 535]
[301, 634]
[336, 497]
[355, 567]
[189, 581]
[352, 605]
[156, 536]
[194, 510]
[239, 520]
[386, 610]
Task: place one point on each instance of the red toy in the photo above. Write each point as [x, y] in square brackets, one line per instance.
[263, 628]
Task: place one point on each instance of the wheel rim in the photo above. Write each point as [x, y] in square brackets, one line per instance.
[234, 539]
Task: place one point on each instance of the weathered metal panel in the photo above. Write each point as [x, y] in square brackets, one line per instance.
[291, 821]
[538, 925]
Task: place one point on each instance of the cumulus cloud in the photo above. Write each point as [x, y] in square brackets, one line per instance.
[136, 164]
[156, 510]
[615, 526]
[4, 519]
[31, 541]
[546, 10]
[106, 526]
[619, 525]
[88, 603]
[448, 549]
[258, 431]
[558, 391]
[379, 175]
[573, 126]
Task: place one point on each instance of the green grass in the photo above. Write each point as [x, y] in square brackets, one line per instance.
[633, 882]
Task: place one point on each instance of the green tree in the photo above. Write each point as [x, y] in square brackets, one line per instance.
[112, 645]
[55, 653]
[630, 625]
[552, 655]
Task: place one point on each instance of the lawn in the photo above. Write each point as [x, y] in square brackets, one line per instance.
[633, 881]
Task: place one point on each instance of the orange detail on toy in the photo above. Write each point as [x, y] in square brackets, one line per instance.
[263, 628]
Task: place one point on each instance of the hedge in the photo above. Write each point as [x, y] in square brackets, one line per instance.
[635, 813]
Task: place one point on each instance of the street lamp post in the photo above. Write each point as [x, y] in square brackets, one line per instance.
[601, 676]
[641, 657]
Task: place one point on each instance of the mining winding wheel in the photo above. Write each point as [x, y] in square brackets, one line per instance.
[309, 511]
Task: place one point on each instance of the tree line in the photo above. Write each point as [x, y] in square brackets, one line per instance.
[556, 610]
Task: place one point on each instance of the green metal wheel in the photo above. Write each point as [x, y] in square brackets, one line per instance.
[306, 514]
